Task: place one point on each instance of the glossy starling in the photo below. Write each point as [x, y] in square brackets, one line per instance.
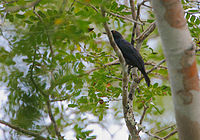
[131, 55]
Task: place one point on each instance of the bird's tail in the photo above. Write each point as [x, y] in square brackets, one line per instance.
[146, 77]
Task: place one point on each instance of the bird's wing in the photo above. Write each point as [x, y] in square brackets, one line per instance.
[130, 53]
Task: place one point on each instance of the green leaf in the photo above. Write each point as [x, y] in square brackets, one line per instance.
[20, 16]
[72, 105]
[192, 18]
[155, 85]
[41, 14]
[101, 117]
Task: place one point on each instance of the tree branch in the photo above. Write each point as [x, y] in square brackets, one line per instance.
[26, 132]
[31, 75]
[53, 120]
[145, 34]
[127, 111]
[135, 27]
[143, 114]
[46, 98]
[132, 5]
[130, 115]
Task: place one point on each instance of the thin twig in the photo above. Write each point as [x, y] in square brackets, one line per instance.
[62, 7]
[147, 6]
[115, 62]
[31, 75]
[138, 9]
[9, 2]
[113, 77]
[163, 129]
[170, 134]
[71, 5]
[26, 132]
[125, 18]
[20, 7]
[143, 114]
[60, 99]
[162, 138]
[156, 66]
[149, 71]
[152, 64]
[87, 4]
[154, 136]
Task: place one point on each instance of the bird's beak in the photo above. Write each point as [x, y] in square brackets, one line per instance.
[104, 33]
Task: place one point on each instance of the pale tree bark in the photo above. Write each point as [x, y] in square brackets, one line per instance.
[179, 52]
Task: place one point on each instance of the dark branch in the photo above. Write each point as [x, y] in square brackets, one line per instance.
[53, 120]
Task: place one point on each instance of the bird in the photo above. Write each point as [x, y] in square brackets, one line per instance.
[130, 54]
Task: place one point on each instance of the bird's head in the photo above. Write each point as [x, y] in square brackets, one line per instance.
[116, 34]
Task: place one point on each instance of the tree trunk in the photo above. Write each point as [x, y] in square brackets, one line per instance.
[180, 55]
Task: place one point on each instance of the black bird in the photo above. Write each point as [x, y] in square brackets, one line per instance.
[131, 55]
